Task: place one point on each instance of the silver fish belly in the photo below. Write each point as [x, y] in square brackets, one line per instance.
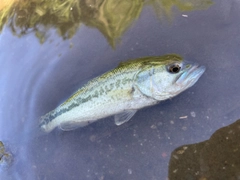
[102, 97]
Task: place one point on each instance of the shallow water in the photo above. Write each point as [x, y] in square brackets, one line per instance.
[35, 78]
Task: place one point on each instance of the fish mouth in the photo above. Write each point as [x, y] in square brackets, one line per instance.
[190, 76]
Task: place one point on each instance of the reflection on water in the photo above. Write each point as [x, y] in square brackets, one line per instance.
[165, 6]
[111, 17]
[216, 158]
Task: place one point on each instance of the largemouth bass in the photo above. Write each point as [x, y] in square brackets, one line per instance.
[124, 90]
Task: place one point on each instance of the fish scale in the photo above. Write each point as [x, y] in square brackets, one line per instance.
[95, 94]
[120, 92]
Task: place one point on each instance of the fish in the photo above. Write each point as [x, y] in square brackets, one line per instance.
[122, 91]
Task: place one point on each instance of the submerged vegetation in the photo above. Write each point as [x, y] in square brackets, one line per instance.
[5, 157]
[110, 17]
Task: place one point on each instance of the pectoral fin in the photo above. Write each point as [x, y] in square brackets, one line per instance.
[124, 116]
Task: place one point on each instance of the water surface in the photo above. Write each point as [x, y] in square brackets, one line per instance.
[43, 61]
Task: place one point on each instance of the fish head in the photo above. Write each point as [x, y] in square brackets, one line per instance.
[167, 79]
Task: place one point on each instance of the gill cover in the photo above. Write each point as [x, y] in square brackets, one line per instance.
[145, 82]
[156, 80]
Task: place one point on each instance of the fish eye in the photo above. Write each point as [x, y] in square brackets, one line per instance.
[175, 68]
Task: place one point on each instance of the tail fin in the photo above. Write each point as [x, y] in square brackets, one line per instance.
[45, 121]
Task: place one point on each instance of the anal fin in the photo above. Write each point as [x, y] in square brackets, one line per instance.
[72, 125]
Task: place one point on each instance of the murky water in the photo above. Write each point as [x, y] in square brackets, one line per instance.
[43, 61]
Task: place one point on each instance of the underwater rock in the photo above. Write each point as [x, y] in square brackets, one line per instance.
[216, 158]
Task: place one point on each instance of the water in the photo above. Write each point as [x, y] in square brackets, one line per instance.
[35, 78]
